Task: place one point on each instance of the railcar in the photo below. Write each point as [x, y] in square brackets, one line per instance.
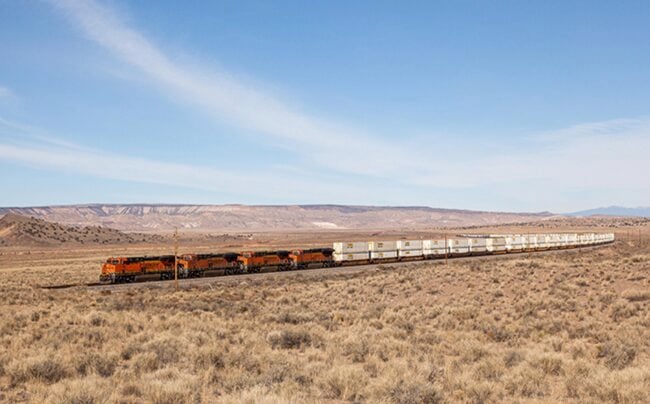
[410, 250]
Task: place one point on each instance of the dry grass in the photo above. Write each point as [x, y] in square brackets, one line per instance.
[569, 327]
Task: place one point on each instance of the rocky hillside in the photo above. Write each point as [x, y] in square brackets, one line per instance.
[17, 230]
[156, 218]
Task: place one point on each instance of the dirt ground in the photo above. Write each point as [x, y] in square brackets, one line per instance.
[566, 327]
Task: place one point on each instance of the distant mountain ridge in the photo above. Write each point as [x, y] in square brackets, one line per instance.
[614, 211]
[165, 217]
[29, 231]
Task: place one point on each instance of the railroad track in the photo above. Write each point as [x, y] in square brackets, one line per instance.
[345, 269]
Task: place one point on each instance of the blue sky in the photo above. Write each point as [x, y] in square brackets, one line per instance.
[513, 106]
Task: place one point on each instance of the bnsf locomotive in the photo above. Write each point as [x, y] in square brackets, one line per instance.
[129, 269]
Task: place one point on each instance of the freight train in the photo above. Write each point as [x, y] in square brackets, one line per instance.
[130, 269]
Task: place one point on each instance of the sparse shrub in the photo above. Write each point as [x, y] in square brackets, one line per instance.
[480, 392]
[617, 355]
[356, 348]
[288, 339]
[344, 383]
[102, 364]
[496, 333]
[549, 364]
[637, 295]
[473, 351]
[169, 392]
[292, 318]
[131, 390]
[145, 362]
[405, 324]
[48, 369]
[488, 369]
[527, 382]
[166, 349]
[80, 391]
[209, 357]
[414, 393]
[96, 319]
[622, 310]
[277, 373]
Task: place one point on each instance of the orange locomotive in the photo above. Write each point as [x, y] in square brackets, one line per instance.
[126, 269]
[194, 265]
[254, 261]
[315, 257]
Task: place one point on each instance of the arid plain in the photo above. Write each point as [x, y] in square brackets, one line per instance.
[568, 326]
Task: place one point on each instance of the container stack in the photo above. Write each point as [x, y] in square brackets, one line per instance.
[459, 246]
[478, 245]
[382, 249]
[409, 248]
[431, 248]
[496, 244]
[351, 251]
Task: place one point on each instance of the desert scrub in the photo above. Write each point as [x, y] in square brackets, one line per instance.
[46, 368]
[576, 328]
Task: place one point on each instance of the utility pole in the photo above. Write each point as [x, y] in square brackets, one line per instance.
[446, 249]
[176, 257]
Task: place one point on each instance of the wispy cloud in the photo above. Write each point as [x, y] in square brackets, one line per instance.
[31, 146]
[601, 156]
[5, 92]
[604, 157]
[226, 98]
[585, 155]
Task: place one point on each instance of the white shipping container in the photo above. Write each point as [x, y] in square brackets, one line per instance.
[434, 247]
[383, 254]
[478, 244]
[351, 256]
[409, 245]
[459, 246]
[382, 245]
[495, 244]
[556, 240]
[434, 244]
[515, 242]
[409, 253]
[350, 247]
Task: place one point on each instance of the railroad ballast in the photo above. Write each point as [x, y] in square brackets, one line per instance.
[129, 269]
